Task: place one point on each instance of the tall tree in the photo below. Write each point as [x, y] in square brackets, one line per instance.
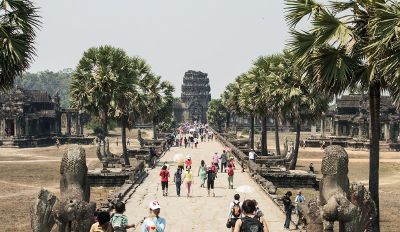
[216, 113]
[336, 52]
[230, 99]
[19, 21]
[160, 95]
[95, 79]
[129, 99]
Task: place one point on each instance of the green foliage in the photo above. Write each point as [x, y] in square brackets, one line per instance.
[52, 82]
[216, 114]
[168, 124]
[19, 21]
[245, 131]
[96, 126]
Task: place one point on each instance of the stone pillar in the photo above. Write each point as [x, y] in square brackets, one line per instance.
[360, 131]
[337, 128]
[38, 131]
[2, 127]
[76, 124]
[26, 126]
[323, 128]
[313, 130]
[16, 127]
[386, 131]
[68, 124]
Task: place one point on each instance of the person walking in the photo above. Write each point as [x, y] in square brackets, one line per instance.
[178, 181]
[188, 177]
[211, 175]
[119, 221]
[188, 162]
[185, 140]
[154, 223]
[224, 160]
[215, 159]
[252, 155]
[230, 176]
[250, 221]
[235, 211]
[300, 199]
[202, 173]
[164, 173]
[287, 203]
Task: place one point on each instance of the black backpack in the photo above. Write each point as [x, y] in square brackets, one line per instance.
[251, 224]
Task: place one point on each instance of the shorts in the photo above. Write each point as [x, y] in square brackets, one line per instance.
[233, 222]
[210, 184]
[164, 185]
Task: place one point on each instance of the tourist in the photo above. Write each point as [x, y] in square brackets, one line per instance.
[196, 141]
[164, 173]
[235, 211]
[119, 221]
[58, 143]
[154, 223]
[185, 141]
[230, 176]
[216, 160]
[311, 168]
[188, 177]
[224, 160]
[298, 200]
[181, 164]
[252, 155]
[250, 221]
[188, 162]
[178, 180]
[191, 140]
[128, 141]
[232, 161]
[117, 142]
[202, 173]
[211, 175]
[287, 203]
[103, 223]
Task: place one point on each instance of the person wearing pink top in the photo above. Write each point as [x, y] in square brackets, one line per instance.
[215, 159]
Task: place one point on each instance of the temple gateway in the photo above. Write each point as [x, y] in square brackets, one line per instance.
[34, 118]
[193, 104]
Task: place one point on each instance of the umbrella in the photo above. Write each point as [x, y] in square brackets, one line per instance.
[178, 157]
[245, 189]
[227, 148]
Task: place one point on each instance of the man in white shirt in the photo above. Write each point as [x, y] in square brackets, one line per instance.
[252, 155]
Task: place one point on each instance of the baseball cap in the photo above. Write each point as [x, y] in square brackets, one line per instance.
[154, 205]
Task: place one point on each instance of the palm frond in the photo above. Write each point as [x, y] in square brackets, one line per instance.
[296, 10]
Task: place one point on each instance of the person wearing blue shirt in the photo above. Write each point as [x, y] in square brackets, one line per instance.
[154, 223]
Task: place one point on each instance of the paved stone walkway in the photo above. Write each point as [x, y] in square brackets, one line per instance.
[199, 212]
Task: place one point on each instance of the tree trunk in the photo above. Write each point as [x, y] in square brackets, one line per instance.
[123, 140]
[277, 143]
[374, 109]
[252, 131]
[154, 130]
[227, 125]
[293, 162]
[264, 149]
[235, 123]
[104, 120]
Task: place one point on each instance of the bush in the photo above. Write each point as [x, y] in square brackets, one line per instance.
[96, 126]
[245, 131]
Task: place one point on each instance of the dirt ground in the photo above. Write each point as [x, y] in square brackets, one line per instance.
[24, 171]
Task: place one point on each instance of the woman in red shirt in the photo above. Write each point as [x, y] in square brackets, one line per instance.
[164, 173]
[188, 162]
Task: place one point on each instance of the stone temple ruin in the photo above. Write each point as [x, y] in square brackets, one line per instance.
[195, 96]
[34, 118]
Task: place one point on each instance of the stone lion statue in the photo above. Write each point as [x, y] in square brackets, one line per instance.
[72, 211]
[349, 204]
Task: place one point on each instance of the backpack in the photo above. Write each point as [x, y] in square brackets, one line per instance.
[118, 223]
[236, 210]
[230, 172]
[251, 224]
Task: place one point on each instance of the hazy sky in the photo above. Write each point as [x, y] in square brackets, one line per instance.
[219, 37]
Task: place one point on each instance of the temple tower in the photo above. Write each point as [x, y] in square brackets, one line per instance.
[195, 96]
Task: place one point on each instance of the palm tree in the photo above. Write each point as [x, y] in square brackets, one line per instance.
[230, 99]
[216, 113]
[95, 80]
[19, 21]
[160, 95]
[246, 102]
[337, 54]
[129, 99]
